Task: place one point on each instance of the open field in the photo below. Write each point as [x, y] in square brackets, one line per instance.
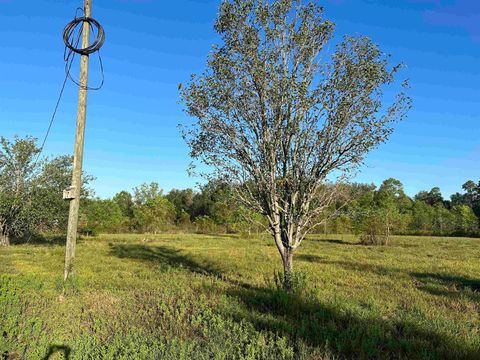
[206, 297]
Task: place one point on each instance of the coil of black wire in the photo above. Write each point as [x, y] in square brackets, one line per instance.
[72, 34]
[97, 42]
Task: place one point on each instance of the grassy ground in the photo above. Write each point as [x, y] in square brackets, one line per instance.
[206, 297]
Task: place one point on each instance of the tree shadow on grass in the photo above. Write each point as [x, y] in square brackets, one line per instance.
[305, 320]
[38, 239]
[458, 281]
[357, 242]
[164, 257]
[451, 286]
[350, 265]
[337, 241]
[447, 285]
[46, 240]
[216, 235]
[310, 258]
[54, 349]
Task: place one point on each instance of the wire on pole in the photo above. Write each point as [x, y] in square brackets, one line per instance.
[71, 49]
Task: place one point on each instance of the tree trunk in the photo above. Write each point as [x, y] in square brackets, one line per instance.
[287, 259]
[4, 239]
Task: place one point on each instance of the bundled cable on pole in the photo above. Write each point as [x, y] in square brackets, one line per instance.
[70, 30]
[71, 48]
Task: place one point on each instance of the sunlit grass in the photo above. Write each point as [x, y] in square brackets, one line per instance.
[202, 297]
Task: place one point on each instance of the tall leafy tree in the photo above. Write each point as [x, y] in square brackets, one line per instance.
[31, 191]
[146, 192]
[50, 210]
[99, 215]
[124, 200]
[432, 197]
[443, 220]
[277, 114]
[154, 215]
[466, 223]
[422, 219]
[18, 169]
[152, 211]
[394, 205]
[472, 195]
[183, 202]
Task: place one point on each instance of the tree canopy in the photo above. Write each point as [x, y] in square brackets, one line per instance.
[278, 116]
[31, 190]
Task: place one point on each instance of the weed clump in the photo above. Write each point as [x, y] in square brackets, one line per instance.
[376, 232]
[291, 296]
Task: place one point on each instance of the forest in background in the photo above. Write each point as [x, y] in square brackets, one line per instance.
[31, 205]
[213, 209]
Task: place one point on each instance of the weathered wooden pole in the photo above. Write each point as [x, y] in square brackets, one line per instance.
[78, 150]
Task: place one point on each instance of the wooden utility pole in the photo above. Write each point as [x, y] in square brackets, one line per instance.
[78, 150]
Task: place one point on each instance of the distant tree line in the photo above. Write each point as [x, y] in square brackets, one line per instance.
[386, 209]
[31, 205]
[147, 209]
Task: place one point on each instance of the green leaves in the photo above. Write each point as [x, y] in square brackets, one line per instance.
[276, 116]
[31, 191]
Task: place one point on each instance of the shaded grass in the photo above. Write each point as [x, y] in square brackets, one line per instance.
[202, 297]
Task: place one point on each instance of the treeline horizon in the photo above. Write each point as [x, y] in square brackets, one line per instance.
[212, 208]
[31, 205]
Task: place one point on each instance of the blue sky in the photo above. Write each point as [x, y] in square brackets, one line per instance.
[152, 46]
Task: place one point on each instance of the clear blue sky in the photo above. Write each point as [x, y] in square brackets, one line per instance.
[152, 46]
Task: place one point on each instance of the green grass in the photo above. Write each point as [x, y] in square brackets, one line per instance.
[189, 296]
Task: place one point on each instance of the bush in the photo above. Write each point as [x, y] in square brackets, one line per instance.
[88, 230]
[205, 225]
[375, 232]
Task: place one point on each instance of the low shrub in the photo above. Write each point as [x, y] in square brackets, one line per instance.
[376, 232]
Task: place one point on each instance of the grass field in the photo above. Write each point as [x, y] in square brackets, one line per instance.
[187, 296]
